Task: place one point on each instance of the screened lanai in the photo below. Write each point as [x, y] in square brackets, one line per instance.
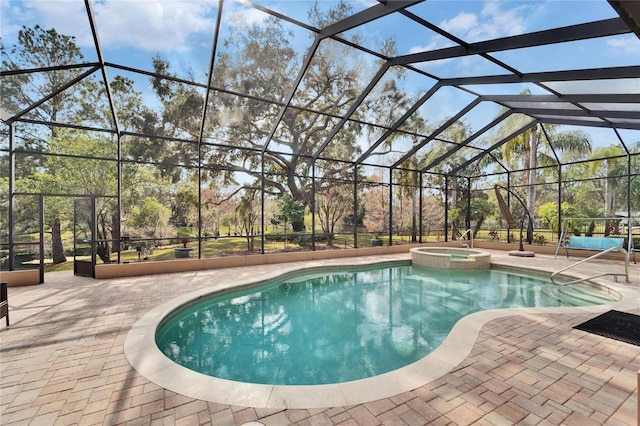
[158, 130]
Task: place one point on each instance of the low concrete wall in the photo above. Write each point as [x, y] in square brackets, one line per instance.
[20, 278]
[115, 270]
[105, 271]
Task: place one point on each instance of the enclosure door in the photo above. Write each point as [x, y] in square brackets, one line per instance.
[84, 225]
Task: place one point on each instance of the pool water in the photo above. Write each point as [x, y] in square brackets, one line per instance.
[348, 325]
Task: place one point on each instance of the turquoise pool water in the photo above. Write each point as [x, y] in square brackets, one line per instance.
[346, 325]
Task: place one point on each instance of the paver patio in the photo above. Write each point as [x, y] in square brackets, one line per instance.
[63, 363]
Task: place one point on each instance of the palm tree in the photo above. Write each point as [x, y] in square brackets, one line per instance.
[417, 126]
[457, 133]
[526, 149]
[604, 162]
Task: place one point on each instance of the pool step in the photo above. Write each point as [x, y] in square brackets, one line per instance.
[578, 295]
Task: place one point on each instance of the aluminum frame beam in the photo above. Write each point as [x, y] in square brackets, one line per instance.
[492, 147]
[465, 143]
[603, 28]
[399, 122]
[371, 14]
[602, 114]
[439, 130]
[610, 73]
[352, 109]
[617, 98]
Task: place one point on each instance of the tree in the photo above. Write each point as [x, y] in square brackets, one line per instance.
[85, 102]
[72, 174]
[548, 212]
[260, 61]
[455, 133]
[40, 48]
[291, 211]
[332, 203]
[481, 208]
[184, 206]
[215, 205]
[525, 148]
[152, 217]
[603, 164]
[632, 197]
[417, 126]
[230, 220]
[432, 214]
[248, 210]
[179, 117]
[376, 205]
[57, 248]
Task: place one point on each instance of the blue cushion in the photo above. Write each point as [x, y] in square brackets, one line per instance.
[595, 243]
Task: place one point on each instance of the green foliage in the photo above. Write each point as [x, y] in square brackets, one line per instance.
[481, 209]
[185, 206]
[548, 213]
[151, 216]
[290, 211]
[261, 60]
[248, 213]
[332, 203]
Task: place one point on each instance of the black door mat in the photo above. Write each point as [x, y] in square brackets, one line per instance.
[617, 325]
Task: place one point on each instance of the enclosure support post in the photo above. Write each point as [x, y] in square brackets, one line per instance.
[12, 178]
[629, 188]
[559, 200]
[390, 206]
[119, 197]
[630, 245]
[262, 203]
[200, 196]
[313, 205]
[508, 203]
[355, 206]
[446, 208]
[94, 234]
[468, 215]
[420, 218]
[203, 117]
[41, 230]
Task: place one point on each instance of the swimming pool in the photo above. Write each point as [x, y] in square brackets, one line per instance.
[340, 326]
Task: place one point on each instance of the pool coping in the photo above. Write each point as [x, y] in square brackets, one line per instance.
[144, 356]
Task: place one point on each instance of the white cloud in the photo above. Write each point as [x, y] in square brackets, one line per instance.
[461, 23]
[65, 16]
[502, 22]
[627, 45]
[242, 16]
[12, 18]
[495, 21]
[150, 25]
[435, 43]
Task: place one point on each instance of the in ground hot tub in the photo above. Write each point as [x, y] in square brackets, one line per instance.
[450, 258]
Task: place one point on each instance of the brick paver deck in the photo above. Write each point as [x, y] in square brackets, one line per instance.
[62, 363]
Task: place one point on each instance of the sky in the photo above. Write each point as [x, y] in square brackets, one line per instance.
[131, 32]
